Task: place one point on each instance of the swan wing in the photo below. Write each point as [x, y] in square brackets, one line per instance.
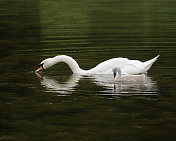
[127, 66]
[137, 66]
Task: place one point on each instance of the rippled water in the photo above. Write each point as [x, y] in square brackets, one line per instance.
[64, 106]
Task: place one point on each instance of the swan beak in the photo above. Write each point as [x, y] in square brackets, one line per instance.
[40, 68]
[115, 74]
[39, 75]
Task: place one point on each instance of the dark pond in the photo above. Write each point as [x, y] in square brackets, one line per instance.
[67, 107]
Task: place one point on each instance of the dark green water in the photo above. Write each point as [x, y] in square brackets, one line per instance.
[67, 107]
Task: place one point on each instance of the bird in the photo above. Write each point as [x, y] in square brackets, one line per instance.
[127, 66]
[136, 78]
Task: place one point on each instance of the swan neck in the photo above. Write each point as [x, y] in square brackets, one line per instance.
[119, 72]
[69, 61]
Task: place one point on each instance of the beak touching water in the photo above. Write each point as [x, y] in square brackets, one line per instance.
[40, 75]
[40, 68]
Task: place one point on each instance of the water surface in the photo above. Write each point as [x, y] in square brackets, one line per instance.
[63, 106]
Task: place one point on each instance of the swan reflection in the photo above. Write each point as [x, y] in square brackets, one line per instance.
[106, 82]
[52, 85]
[148, 86]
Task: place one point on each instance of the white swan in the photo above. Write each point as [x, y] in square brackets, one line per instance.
[127, 66]
[116, 70]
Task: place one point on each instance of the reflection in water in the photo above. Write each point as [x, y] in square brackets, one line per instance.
[148, 87]
[53, 85]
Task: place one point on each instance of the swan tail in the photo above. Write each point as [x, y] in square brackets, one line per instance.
[149, 63]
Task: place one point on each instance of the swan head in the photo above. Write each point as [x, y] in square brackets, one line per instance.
[114, 70]
[117, 70]
[47, 63]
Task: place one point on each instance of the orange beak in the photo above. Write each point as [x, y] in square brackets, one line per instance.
[39, 69]
[39, 75]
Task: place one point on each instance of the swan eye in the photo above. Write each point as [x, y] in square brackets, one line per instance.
[40, 65]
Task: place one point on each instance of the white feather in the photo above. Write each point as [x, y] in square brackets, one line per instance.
[127, 66]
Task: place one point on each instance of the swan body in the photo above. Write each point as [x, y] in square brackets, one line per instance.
[136, 78]
[127, 66]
